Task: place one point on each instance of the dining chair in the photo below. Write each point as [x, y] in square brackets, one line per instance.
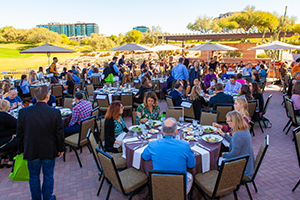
[167, 185]
[223, 110]
[68, 102]
[90, 91]
[175, 112]
[295, 120]
[169, 100]
[57, 91]
[96, 82]
[189, 111]
[95, 112]
[214, 183]
[135, 104]
[129, 181]
[103, 103]
[258, 160]
[137, 84]
[207, 116]
[156, 88]
[32, 91]
[126, 99]
[78, 140]
[286, 96]
[253, 112]
[296, 133]
[263, 118]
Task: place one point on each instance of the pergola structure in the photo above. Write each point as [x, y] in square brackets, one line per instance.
[220, 36]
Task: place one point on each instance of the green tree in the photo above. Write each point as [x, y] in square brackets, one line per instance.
[12, 34]
[225, 23]
[64, 39]
[202, 24]
[38, 35]
[113, 37]
[297, 28]
[98, 42]
[133, 36]
[84, 41]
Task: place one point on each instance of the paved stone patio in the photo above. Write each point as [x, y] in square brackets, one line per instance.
[277, 176]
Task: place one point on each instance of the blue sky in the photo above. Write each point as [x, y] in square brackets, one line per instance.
[120, 16]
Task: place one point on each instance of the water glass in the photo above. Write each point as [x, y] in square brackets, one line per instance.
[129, 87]
[194, 123]
[31, 104]
[177, 136]
[110, 85]
[181, 120]
[200, 129]
[159, 136]
[53, 105]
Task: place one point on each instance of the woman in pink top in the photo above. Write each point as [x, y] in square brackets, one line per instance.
[296, 97]
[239, 78]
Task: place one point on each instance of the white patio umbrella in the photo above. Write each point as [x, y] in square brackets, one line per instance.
[212, 47]
[48, 49]
[165, 47]
[275, 45]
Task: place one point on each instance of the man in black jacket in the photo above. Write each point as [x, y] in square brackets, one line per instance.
[40, 138]
[220, 97]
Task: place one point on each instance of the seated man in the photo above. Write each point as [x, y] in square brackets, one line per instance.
[144, 71]
[13, 99]
[228, 74]
[89, 73]
[176, 93]
[81, 110]
[262, 72]
[220, 97]
[75, 77]
[169, 153]
[75, 71]
[233, 86]
[50, 102]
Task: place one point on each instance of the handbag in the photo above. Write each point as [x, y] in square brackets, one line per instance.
[19, 171]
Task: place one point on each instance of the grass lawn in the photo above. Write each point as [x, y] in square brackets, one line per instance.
[10, 58]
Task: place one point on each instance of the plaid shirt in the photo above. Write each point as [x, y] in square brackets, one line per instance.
[81, 111]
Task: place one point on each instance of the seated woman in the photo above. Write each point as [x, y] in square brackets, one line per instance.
[240, 142]
[245, 92]
[5, 90]
[8, 142]
[257, 94]
[213, 82]
[149, 109]
[24, 85]
[296, 97]
[255, 77]
[145, 86]
[198, 101]
[32, 77]
[114, 126]
[40, 75]
[208, 78]
[70, 84]
[239, 78]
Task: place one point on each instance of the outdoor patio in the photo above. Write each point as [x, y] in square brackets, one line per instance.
[277, 176]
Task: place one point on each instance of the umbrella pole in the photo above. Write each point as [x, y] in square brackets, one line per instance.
[48, 55]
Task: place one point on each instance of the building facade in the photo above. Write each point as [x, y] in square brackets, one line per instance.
[71, 30]
[143, 29]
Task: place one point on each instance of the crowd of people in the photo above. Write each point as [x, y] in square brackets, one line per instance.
[196, 82]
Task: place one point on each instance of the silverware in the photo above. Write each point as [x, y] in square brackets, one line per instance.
[140, 146]
[133, 142]
[204, 147]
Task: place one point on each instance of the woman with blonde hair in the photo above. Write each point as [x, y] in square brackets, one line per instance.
[32, 77]
[70, 84]
[198, 101]
[5, 90]
[149, 109]
[8, 142]
[240, 142]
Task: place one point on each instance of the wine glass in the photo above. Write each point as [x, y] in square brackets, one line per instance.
[200, 129]
[196, 136]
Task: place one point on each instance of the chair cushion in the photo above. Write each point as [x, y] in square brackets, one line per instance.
[136, 104]
[298, 120]
[103, 108]
[120, 162]
[73, 140]
[127, 107]
[207, 182]
[132, 179]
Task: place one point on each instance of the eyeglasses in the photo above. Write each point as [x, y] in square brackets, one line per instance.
[122, 107]
[228, 121]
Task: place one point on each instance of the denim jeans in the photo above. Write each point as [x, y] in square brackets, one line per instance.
[70, 130]
[34, 168]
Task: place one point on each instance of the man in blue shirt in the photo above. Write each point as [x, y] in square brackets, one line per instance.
[169, 153]
[52, 99]
[180, 72]
[114, 66]
[176, 93]
[76, 79]
[13, 99]
[232, 86]
[247, 69]
[121, 61]
[89, 73]
[262, 72]
[142, 74]
[74, 70]
[258, 66]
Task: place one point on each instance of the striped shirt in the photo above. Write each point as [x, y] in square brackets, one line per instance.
[81, 111]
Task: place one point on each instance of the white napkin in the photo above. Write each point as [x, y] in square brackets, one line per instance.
[186, 104]
[226, 143]
[205, 158]
[136, 162]
[109, 98]
[100, 96]
[119, 138]
[125, 141]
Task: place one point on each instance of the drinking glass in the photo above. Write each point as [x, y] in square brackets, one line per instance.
[194, 123]
[200, 129]
[181, 120]
[178, 136]
[196, 136]
[129, 87]
[110, 85]
[53, 105]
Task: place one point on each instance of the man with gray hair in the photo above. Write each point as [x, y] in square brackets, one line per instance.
[40, 138]
[171, 154]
